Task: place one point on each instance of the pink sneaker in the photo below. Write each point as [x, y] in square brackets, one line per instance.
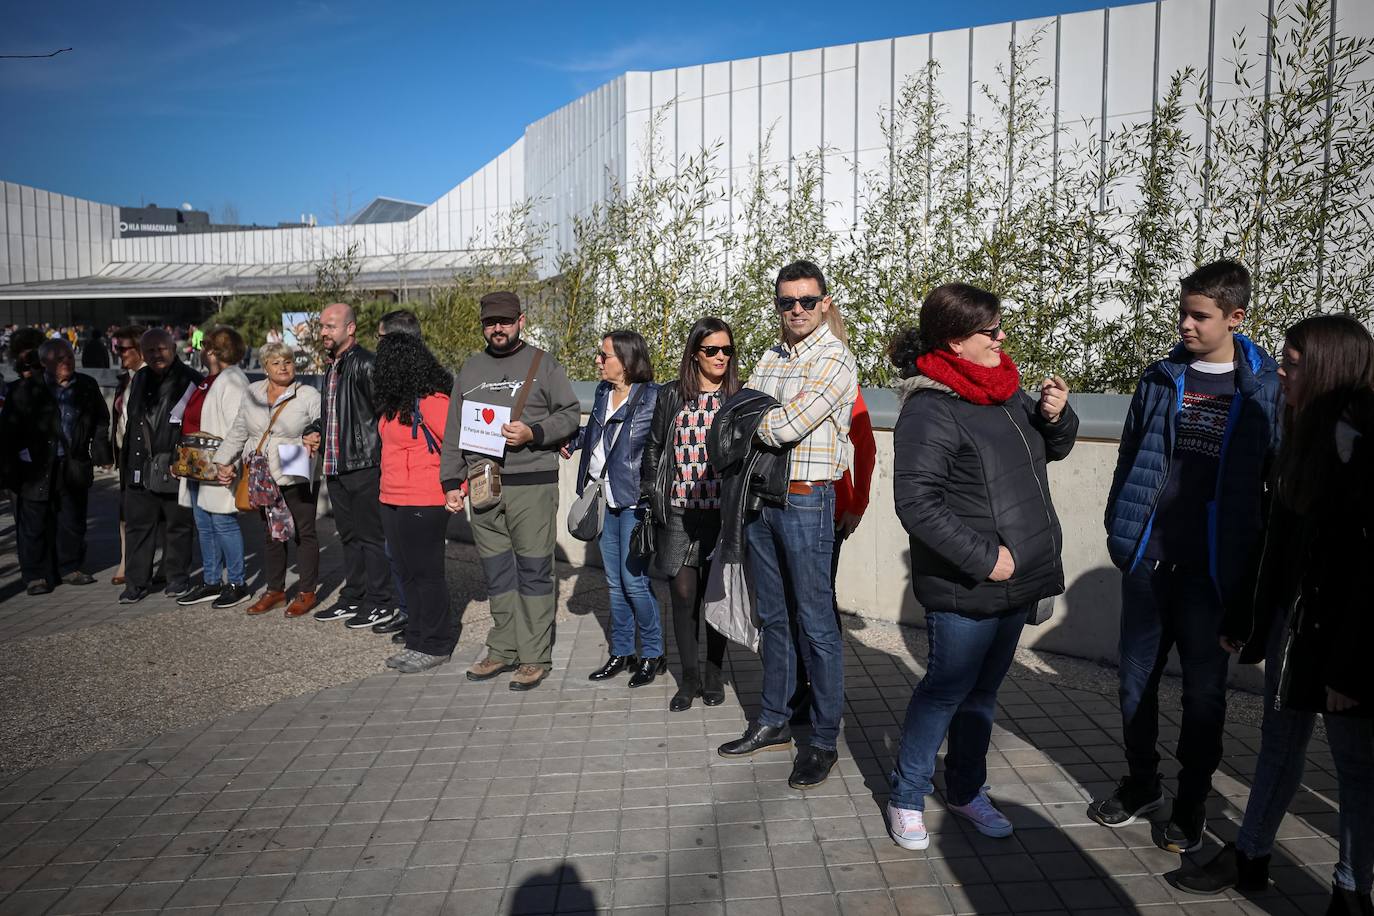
[907, 827]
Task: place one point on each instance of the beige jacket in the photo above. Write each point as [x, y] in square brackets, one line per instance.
[302, 412]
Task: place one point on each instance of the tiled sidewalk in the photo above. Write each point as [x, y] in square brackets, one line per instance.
[428, 793]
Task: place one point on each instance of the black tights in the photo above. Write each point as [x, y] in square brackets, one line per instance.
[687, 587]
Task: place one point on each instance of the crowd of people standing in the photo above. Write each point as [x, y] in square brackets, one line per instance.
[1237, 513]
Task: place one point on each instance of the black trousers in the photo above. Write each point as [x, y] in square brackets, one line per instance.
[51, 533]
[417, 537]
[143, 510]
[301, 500]
[356, 496]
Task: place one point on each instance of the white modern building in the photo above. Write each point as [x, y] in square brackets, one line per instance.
[63, 258]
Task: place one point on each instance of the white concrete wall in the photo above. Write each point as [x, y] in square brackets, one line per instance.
[49, 236]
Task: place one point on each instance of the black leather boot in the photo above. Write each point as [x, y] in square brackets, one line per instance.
[689, 688]
[649, 668]
[812, 767]
[758, 738]
[614, 665]
[1228, 868]
[713, 686]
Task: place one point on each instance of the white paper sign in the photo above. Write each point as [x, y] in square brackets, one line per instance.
[481, 428]
[295, 460]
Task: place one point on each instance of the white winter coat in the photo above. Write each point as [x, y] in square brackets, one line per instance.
[216, 418]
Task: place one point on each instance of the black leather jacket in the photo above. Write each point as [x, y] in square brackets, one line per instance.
[623, 458]
[31, 426]
[359, 445]
[656, 473]
[751, 473]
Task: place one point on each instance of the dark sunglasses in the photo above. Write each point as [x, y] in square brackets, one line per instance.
[990, 332]
[728, 350]
[785, 303]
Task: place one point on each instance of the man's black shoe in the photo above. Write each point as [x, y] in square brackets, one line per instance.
[132, 595]
[340, 611]
[1130, 801]
[366, 620]
[1184, 831]
[399, 637]
[614, 665]
[682, 700]
[78, 578]
[396, 624]
[1228, 868]
[200, 594]
[39, 587]
[649, 668]
[712, 687]
[177, 589]
[758, 738]
[812, 766]
[231, 596]
[1349, 903]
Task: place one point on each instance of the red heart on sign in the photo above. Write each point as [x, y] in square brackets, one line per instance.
[488, 415]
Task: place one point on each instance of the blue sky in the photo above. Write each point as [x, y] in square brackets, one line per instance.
[282, 107]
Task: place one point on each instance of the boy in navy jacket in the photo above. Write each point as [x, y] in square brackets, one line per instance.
[1184, 525]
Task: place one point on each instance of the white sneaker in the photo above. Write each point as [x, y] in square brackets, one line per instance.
[907, 827]
[984, 815]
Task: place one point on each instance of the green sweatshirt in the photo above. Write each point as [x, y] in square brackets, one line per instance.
[552, 413]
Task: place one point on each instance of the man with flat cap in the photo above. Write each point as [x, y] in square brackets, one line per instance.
[512, 408]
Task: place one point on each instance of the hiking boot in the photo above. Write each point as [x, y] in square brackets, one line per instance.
[1184, 831]
[528, 677]
[420, 661]
[1229, 868]
[1130, 801]
[984, 815]
[395, 660]
[488, 668]
[907, 827]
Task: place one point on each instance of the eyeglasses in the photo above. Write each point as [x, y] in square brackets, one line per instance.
[992, 333]
[728, 350]
[602, 356]
[785, 303]
[499, 322]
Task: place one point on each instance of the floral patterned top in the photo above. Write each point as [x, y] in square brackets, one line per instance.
[695, 484]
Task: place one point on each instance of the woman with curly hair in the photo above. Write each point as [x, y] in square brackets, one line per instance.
[410, 389]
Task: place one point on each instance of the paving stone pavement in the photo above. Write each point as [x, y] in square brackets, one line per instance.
[418, 794]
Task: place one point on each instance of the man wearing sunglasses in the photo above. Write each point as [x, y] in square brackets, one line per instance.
[814, 377]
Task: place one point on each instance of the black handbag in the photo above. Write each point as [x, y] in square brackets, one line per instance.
[643, 539]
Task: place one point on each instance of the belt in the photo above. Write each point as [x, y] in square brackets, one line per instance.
[804, 487]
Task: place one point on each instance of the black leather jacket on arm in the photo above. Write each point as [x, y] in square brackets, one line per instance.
[656, 465]
[359, 445]
[751, 473]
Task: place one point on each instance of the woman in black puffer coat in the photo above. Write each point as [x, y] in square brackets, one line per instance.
[971, 489]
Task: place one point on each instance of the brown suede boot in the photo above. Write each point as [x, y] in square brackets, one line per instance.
[268, 601]
[527, 677]
[487, 668]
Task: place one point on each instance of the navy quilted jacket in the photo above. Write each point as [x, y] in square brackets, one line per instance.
[1235, 511]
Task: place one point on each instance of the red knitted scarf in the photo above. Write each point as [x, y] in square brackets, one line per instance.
[972, 382]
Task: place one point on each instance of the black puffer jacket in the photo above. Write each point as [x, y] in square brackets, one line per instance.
[751, 473]
[359, 445]
[968, 478]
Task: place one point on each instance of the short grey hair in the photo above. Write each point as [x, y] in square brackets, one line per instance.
[272, 349]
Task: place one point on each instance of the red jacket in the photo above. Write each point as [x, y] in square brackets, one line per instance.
[410, 471]
[851, 490]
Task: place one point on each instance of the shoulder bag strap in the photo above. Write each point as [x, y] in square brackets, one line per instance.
[267, 432]
[519, 407]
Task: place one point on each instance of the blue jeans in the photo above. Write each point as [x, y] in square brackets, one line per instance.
[633, 604]
[1160, 608]
[969, 659]
[1278, 773]
[788, 561]
[221, 541]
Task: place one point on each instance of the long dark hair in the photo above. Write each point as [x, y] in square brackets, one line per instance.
[688, 379]
[404, 371]
[1337, 371]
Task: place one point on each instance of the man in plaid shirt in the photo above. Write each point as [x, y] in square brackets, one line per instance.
[814, 377]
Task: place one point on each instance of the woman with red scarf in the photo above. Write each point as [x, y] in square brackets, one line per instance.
[970, 449]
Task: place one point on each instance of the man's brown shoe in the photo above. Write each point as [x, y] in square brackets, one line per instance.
[488, 668]
[527, 677]
[303, 603]
[268, 601]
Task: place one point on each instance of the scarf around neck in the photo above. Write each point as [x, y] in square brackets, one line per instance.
[972, 382]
